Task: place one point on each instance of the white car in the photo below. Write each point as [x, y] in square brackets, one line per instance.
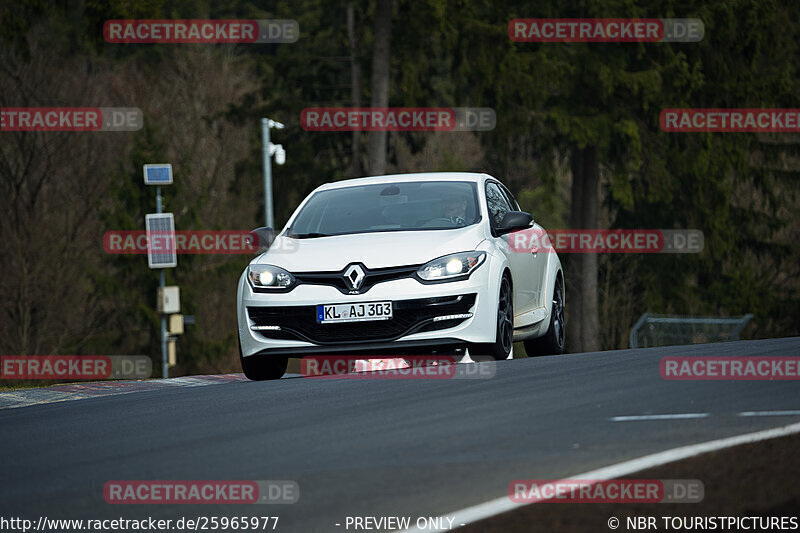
[404, 264]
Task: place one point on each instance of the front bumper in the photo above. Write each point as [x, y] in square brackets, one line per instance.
[417, 324]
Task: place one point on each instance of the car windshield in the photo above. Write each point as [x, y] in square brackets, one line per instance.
[402, 206]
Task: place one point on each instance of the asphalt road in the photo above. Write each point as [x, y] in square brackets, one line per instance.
[376, 447]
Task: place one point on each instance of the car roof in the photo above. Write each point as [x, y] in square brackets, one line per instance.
[474, 177]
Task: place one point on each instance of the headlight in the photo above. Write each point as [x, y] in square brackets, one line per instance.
[451, 267]
[269, 277]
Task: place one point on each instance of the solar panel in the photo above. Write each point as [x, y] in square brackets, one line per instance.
[160, 174]
[161, 251]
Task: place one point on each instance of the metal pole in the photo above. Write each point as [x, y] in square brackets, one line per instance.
[164, 365]
[634, 338]
[267, 158]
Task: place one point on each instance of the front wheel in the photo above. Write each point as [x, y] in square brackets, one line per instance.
[504, 339]
[262, 367]
[552, 343]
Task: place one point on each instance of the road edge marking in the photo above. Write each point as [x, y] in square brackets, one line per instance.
[491, 508]
[675, 416]
[790, 412]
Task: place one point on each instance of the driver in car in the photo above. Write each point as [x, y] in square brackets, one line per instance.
[454, 208]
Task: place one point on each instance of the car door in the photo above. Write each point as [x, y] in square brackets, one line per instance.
[526, 288]
[539, 253]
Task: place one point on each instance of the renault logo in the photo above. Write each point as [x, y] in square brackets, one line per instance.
[354, 276]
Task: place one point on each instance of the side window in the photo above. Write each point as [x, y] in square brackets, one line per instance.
[511, 200]
[496, 203]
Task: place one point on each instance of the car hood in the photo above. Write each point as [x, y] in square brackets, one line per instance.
[374, 250]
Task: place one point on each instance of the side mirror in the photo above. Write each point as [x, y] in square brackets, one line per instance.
[262, 238]
[513, 221]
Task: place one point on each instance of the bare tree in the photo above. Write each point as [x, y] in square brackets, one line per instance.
[381, 58]
[59, 194]
[50, 185]
[355, 87]
[583, 326]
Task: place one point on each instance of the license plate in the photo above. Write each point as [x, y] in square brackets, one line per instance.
[360, 312]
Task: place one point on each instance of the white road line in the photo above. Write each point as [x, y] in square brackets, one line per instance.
[504, 503]
[677, 416]
[770, 413]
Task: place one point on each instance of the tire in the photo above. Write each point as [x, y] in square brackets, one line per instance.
[552, 343]
[262, 367]
[504, 338]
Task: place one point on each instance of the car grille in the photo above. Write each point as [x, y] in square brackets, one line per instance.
[409, 316]
[371, 277]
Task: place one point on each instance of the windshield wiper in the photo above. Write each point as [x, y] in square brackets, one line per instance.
[312, 235]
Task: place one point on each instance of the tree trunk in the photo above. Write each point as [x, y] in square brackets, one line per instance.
[380, 83]
[574, 308]
[591, 185]
[355, 89]
[583, 326]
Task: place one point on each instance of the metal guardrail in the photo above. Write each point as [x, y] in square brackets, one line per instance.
[667, 330]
